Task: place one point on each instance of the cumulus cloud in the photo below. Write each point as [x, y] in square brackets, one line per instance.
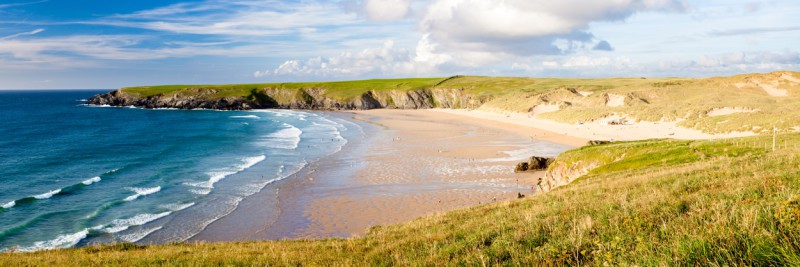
[475, 33]
[383, 10]
[525, 27]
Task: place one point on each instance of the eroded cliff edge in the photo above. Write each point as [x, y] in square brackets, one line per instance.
[305, 98]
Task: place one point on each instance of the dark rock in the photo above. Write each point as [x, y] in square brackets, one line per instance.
[534, 164]
[539, 163]
[597, 142]
[521, 167]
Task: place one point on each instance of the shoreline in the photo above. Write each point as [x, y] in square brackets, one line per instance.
[367, 183]
[408, 164]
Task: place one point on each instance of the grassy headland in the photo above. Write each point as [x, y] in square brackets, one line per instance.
[651, 202]
[749, 102]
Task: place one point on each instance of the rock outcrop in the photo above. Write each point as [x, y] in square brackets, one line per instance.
[188, 99]
[534, 164]
[305, 98]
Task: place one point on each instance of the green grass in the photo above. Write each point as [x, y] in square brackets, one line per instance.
[653, 202]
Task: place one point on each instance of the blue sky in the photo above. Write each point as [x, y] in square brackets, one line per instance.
[111, 44]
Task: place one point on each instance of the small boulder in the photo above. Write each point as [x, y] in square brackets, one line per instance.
[521, 167]
[539, 163]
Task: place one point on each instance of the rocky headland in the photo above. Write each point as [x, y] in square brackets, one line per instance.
[305, 98]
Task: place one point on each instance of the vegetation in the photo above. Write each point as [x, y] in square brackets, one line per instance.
[581, 100]
[651, 202]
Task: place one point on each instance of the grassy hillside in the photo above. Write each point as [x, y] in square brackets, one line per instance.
[755, 102]
[652, 202]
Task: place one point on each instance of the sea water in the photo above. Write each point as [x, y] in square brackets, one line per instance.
[73, 174]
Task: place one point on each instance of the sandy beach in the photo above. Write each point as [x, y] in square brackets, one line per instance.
[411, 163]
[408, 164]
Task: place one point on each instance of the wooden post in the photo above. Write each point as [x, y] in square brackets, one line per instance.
[774, 136]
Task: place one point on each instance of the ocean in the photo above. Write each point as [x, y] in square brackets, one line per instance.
[72, 174]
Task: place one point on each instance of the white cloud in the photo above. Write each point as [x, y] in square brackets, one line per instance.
[235, 18]
[479, 32]
[33, 32]
[386, 59]
[383, 10]
[475, 33]
[700, 66]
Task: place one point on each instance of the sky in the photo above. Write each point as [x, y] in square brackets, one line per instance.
[87, 44]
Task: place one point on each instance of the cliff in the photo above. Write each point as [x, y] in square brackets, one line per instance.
[304, 98]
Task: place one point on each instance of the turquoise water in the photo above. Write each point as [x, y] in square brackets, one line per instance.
[72, 174]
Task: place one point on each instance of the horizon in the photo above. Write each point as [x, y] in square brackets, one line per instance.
[55, 44]
[386, 78]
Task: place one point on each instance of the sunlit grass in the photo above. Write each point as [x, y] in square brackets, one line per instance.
[653, 202]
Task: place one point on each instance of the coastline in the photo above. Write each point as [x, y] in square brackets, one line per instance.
[408, 164]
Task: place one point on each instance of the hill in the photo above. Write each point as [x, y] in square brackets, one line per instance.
[651, 202]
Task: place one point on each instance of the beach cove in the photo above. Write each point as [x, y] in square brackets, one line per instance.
[407, 164]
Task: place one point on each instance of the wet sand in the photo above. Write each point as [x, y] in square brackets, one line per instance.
[407, 164]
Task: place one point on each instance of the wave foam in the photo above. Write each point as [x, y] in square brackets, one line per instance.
[133, 237]
[286, 138]
[120, 225]
[9, 204]
[91, 180]
[217, 176]
[142, 191]
[62, 241]
[176, 206]
[48, 194]
[246, 117]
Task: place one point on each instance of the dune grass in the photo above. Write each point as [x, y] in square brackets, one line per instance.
[651, 202]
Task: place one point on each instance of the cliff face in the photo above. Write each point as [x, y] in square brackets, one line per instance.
[561, 173]
[306, 98]
[194, 98]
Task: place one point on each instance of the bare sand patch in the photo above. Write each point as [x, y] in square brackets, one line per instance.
[789, 77]
[545, 108]
[771, 88]
[728, 111]
[613, 100]
[585, 93]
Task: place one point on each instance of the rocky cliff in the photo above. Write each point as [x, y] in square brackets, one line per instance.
[305, 98]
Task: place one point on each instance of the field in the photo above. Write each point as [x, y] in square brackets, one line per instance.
[651, 202]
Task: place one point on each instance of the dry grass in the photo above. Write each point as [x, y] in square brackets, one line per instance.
[653, 202]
